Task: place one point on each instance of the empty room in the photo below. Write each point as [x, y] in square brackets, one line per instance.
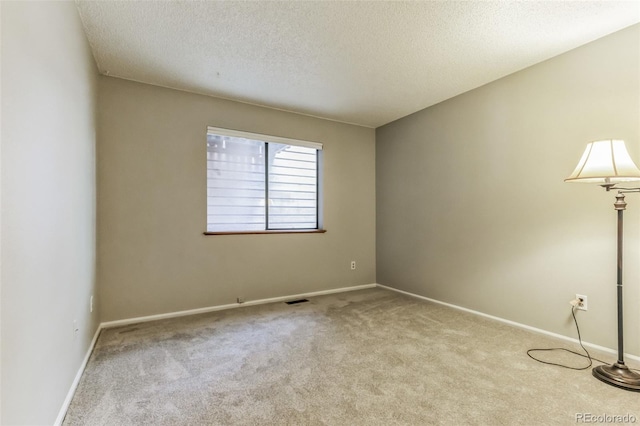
[319, 212]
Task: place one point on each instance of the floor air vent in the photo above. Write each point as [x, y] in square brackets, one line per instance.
[295, 302]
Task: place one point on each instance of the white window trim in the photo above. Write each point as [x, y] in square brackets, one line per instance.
[266, 138]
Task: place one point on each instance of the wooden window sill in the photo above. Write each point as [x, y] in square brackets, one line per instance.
[274, 231]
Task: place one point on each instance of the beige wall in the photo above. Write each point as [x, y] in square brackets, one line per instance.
[48, 207]
[471, 205]
[153, 257]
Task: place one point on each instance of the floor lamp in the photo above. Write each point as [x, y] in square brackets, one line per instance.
[608, 164]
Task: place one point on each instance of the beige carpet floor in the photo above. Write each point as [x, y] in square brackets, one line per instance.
[370, 357]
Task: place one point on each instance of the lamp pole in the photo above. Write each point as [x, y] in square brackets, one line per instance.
[620, 206]
[618, 374]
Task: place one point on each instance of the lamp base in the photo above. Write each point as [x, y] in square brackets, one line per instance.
[618, 375]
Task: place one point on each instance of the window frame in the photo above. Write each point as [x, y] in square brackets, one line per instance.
[277, 140]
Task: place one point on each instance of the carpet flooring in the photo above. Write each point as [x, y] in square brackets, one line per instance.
[369, 357]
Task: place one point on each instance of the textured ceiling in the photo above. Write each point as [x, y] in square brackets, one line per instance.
[359, 62]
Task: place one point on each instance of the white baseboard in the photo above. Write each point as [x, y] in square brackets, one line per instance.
[67, 401]
[128, 321]
[513, 323]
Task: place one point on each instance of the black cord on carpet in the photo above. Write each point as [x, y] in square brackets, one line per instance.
[585, 355]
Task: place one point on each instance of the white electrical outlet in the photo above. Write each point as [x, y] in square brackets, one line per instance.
[582, 302]
[240, 299]
[353, 264]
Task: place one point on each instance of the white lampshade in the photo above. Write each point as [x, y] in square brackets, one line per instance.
[605, 162]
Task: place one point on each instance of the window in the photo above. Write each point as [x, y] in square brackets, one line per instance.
[261, 183]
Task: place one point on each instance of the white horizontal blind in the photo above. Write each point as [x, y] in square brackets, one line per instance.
[235, 184]
[255, 185]
[293, 189]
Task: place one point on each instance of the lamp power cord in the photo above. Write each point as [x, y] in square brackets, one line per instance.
[586, 353]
